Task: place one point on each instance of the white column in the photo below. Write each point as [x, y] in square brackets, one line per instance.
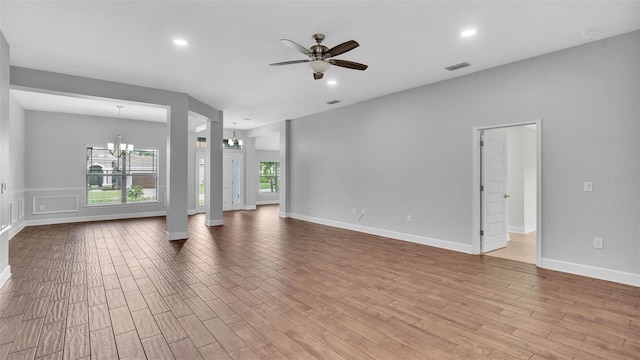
[5, 269]
[177, 153]
[213, 194]
[250, 172]
[285, 133]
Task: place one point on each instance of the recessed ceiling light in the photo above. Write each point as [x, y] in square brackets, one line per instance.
[332, 82]
[247, 119]
[468, 32]
[180, 42]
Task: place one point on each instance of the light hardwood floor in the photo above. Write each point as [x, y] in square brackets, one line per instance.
[521, 247]
[262, 287]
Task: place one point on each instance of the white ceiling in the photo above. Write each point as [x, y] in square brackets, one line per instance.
[231, 43]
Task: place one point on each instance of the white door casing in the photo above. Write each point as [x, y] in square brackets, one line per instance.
[494, 185]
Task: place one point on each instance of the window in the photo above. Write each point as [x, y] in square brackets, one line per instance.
[106, 175]
[269, 177]
[201, 142]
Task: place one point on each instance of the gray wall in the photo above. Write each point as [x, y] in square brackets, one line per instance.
[56, 161]
[5, 166]
[410, 153]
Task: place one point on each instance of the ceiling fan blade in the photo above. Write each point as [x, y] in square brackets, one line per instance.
[296, 46]
[348, 64]
[342, 48]
[289, 62]
[317, 76]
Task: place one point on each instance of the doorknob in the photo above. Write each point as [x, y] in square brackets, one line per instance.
[506, 196]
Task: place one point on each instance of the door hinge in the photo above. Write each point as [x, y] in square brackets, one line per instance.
[481, 187]
[481, 233]
[481, 143]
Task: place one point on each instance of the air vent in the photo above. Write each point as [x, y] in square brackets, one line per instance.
[333, 102]
[457, 66]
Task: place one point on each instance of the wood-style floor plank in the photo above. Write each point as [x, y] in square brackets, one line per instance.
[263, 287]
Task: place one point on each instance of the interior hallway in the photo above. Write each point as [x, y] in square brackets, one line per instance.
[520, 247]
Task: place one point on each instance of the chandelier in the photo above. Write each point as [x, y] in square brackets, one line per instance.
[119, 149]
[233, 141]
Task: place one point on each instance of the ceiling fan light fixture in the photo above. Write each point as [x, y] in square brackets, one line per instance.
[318, 66]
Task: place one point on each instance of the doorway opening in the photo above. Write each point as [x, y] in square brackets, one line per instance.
[508, 192]
[201, 181]
[232, 182]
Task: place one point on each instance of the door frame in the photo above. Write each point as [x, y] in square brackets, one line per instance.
[476, 175]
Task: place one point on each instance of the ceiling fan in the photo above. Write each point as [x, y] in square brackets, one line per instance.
[321, 57]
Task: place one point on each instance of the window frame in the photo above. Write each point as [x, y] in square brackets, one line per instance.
[277, 176]
[126, 178]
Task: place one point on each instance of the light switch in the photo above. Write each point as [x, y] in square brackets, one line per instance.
[588, 186]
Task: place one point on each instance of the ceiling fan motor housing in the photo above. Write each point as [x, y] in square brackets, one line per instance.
[318, 52]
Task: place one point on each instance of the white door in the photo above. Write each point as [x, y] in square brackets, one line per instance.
[494, 187]
[232, 182]
[201, 170]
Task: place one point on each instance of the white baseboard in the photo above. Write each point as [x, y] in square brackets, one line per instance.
[249, 207]
[181, 235]
[213, 222]
[267, 202]
[521, 230]
[591, 271]
[516, 229]
[284, 215]
[15, 230]
[94, 218]
[443, 244]
[4, 275]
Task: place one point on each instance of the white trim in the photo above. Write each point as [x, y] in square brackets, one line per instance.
[213, 222]
[56, 189]
[522, 230]
[443, 244]
[4, 276]
[21, 208]
[177, 235]
[516, 229]
[14, 230]
[249, 207]
[193, 212]
[14, 192]
[38, 212]
[284, 215]
[268, 202]
[94, 218]
[475, 201]
[592, 271]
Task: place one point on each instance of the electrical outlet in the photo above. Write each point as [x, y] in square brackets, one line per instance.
[409, 218]
[353, 211]
[310, 207]
[588, 186]
[598, 243]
